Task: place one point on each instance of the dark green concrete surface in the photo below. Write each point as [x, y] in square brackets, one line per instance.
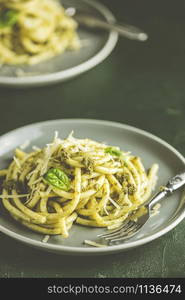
[141, 84]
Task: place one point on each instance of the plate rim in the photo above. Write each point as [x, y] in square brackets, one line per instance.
[74, 71]
[68, 250]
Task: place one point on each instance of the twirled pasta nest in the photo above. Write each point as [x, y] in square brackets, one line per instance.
[75, 180]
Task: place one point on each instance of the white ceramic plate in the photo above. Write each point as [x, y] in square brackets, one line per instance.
[149, 147]
[97, 46]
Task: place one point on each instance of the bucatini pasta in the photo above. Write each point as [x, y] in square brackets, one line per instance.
[74, 181]
[34, 30]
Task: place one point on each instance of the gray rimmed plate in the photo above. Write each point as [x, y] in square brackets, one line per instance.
[149, 147]
[96, 46]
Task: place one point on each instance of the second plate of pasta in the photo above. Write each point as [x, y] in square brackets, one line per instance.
[41, 44]
[60, 188]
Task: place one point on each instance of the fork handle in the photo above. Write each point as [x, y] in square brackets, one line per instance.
[125, 30]
[172, 185]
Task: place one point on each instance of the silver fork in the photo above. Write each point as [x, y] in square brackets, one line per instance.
[128, 31]
[129, 228]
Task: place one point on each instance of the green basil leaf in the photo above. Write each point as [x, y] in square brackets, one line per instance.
[113, 151]
[8, 18]
[57, 178]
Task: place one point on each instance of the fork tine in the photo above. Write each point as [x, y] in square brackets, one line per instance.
[130, 227]
[126, 235]
[124, 225]
[122, 231]
[112, 231]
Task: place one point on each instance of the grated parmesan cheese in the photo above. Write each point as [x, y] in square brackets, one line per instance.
[114, 203]
[45, 239]
[92, 243]
[35, 148]
[17, 162]
[155, 209]
[25, 145]
[107, 213]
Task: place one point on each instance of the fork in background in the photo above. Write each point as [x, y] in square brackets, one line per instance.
[88, 20]
[129, 228]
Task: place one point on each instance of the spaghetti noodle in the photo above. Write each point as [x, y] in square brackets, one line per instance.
[34, 30]
[75, 180]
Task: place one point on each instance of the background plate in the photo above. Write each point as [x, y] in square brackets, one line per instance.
[150, 148]
[97, 45]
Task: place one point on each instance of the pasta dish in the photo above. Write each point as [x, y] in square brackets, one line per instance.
[34, 30]
[74, 181]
